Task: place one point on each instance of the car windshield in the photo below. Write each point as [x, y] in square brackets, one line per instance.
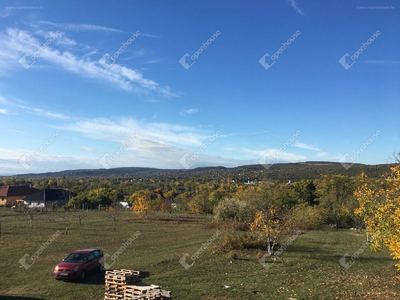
[76, 257]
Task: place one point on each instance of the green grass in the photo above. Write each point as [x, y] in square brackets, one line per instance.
[310, 271]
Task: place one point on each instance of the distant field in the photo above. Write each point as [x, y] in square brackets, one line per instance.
[311, 269]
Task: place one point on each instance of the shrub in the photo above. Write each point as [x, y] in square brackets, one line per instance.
[232, 209]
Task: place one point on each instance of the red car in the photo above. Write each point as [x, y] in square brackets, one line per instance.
[79, 264]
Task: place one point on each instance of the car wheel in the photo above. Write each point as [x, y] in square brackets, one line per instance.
[83, 275]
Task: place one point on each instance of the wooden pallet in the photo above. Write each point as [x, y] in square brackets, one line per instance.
[126, 284]
[145, 292]
[111, 296]
[123, 277]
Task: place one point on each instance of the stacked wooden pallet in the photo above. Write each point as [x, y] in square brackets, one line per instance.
[146, 291]
[127, 285]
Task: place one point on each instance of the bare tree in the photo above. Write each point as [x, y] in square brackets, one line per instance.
[113, 213]
[80, 215]
[30, 212]
[396, 158]
[67, 220]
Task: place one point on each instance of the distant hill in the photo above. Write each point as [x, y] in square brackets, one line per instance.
[280, 172]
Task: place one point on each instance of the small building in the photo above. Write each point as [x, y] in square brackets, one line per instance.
[124, 205]
[11, 193]
[49, 197]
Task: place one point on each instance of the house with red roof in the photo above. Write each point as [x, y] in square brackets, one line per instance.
[9, 194]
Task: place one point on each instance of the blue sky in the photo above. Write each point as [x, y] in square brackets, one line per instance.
[182, 84]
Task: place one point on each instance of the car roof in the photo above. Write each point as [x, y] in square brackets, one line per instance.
[85, 251]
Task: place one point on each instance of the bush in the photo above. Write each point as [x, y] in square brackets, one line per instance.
[231, 240]
[304, 216]
[232, 209]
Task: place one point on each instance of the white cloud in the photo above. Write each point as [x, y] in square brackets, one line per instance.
[65, 41]
[189, 111]
[276, 155]
[149, 133]
[88, 149]
[79, 27]
[296, 6]
[305, 146]
[12, 162]
[36, 111]
[49, 114]
[151, 35]
[15, 43]
[3, 111]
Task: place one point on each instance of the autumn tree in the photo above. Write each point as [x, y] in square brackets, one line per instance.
[141, 202]
[272, 206]
[267, 222]
[379, 205]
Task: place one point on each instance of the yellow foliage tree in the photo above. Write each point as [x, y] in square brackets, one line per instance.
[195, 206]
[266, 221]
[141, 202]
[379, 205]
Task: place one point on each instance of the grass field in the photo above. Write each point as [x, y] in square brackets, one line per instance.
[311, 269]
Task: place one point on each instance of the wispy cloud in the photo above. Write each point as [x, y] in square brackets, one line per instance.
[89, 149]
[189, 111]
[46, 113]
[32, 110]
[296, 6]
[118, 131]
[319, 153]
[65, 41]
[276, 154]
[5, 12]
[155, 144]
[151, 35]
[305, 146]
[14, 43]
[78, 27]
[3, 111]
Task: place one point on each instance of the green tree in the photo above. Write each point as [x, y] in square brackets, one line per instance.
[335, 196]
